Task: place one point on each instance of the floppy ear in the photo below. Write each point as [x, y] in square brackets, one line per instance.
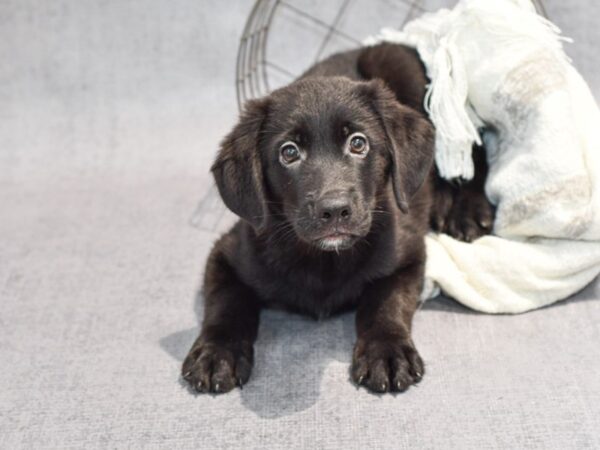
[238, 169]
[410, 137]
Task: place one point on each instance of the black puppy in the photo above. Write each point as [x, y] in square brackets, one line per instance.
[332, 176]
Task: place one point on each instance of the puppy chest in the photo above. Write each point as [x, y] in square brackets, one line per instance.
[316, 295]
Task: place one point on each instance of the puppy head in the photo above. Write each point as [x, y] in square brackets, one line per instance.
[318, 154]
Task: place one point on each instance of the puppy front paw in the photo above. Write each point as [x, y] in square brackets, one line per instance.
[217, 367]
[386, 363]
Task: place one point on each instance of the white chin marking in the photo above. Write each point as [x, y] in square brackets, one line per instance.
[332, 243]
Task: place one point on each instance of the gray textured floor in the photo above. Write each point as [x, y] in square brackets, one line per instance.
[110, 113]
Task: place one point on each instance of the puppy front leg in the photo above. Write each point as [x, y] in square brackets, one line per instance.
[385, 357]
[223, 354]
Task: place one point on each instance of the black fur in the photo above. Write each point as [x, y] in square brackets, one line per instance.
[335, 224]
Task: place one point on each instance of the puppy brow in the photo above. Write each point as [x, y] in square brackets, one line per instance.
[296, 135]
[342, 128]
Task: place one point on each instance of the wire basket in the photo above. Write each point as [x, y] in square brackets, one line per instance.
[282, 39]
[264, 60]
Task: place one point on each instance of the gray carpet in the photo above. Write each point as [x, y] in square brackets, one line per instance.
[110, 113]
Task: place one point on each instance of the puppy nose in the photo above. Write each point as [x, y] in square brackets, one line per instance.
[334, 207]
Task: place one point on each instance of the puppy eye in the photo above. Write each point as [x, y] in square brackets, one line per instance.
[357, 144]
[289, 153]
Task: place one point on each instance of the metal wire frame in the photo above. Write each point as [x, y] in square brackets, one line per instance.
[252, 62]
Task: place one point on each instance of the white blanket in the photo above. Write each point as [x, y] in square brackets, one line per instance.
[497, 64]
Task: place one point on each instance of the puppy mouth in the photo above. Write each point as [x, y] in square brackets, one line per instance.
[336, 241]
